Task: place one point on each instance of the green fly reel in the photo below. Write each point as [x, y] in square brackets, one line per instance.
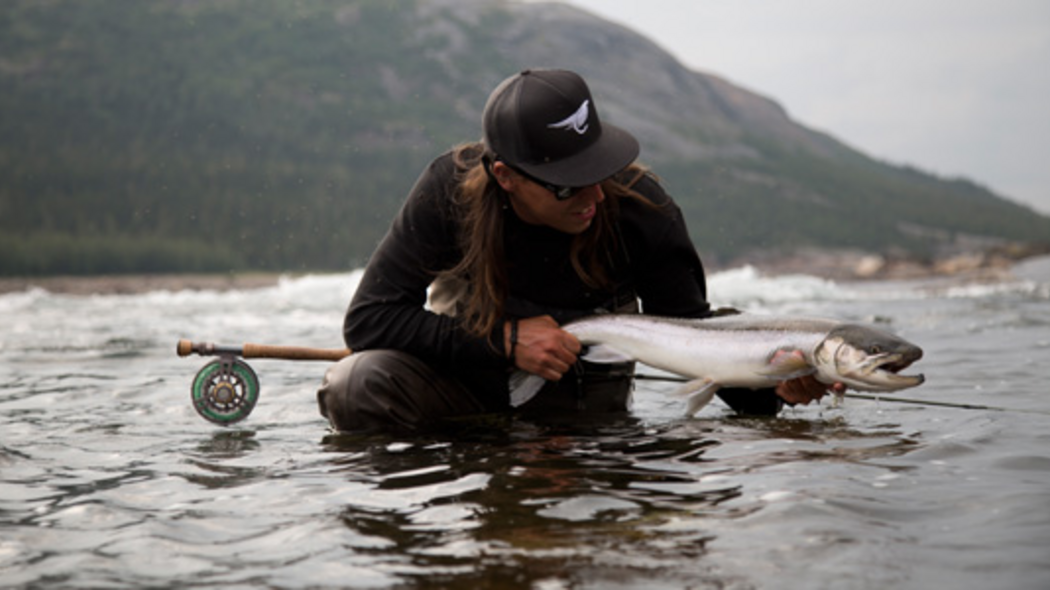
[225, 391]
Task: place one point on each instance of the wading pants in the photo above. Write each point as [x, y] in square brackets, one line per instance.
[389, 390]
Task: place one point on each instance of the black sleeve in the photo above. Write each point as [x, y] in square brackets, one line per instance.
[387, 310]
[752, 402]
[668, 275]
[671, 282]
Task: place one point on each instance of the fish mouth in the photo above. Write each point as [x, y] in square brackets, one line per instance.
[888, 368]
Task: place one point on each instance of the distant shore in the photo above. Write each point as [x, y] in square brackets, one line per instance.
[833, 265]
[992, 265]
[133, 284]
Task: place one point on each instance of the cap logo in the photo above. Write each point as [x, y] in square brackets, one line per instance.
[576, 121]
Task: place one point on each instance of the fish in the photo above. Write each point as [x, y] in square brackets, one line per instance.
[745, 350]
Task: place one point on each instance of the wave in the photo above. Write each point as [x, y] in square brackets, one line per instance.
[19, 300]
[342, 284]
[747, 287]
[744, 287]
[1025, 289]
[314, 291]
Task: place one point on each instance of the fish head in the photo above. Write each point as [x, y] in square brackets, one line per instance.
[867, 359]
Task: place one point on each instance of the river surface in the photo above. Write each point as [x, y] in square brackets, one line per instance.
[110, 479]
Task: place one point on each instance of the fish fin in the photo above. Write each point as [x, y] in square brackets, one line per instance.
[524, 386]
[788, 364]
[700, 392]
[604, 354]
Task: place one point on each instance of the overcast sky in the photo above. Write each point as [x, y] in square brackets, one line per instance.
[953, 87]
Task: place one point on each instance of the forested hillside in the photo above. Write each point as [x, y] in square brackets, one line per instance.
[274, 135]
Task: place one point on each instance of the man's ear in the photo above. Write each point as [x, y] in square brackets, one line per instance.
[503, 175]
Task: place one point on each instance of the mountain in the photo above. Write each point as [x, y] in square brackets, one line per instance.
[192, 135]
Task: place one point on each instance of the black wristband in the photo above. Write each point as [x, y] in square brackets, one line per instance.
[513, 339]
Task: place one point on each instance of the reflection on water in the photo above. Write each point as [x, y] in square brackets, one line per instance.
[520, 503]
[108, 478]
[530, 504]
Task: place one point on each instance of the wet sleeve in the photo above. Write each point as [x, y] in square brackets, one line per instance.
[752, 402]
[387, 310]
[669, 275]
[671, 282]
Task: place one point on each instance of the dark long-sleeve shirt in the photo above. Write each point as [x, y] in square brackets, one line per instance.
[657, 262]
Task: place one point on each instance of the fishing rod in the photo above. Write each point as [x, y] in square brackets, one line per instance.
[226, 389]
[875, 398]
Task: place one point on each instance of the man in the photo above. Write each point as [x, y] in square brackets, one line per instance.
[547, 220]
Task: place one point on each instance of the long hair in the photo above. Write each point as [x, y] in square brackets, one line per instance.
[483, 267]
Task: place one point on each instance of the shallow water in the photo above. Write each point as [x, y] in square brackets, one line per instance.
[108, 478]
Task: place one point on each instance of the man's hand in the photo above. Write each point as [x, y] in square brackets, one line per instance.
[806, 389]
[543, 348]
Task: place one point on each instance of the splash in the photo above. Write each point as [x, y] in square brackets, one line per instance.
[746, 287]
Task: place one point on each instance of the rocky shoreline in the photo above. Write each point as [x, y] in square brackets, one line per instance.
[133, 284]
[991, 265]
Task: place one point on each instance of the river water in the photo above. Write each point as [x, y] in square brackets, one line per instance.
[108, 477]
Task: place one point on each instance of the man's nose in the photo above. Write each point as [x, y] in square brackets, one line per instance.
[593, 193]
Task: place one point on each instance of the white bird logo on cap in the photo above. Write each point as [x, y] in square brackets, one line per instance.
[576, 121]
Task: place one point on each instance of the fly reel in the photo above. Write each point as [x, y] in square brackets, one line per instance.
[225, 391]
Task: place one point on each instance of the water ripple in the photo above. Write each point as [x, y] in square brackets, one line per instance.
[108, 478]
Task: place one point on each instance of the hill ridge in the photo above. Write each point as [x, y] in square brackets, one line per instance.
[266, 135]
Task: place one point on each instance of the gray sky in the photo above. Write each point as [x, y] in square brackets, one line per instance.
[953, 87]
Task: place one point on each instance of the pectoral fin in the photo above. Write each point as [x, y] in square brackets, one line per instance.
[699, 393]
[788, 364]
[524, 386]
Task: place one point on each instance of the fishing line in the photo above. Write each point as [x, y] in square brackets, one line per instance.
[879, 398]
[225, 390]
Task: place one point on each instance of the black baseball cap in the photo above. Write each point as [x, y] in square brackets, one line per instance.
[544, 123]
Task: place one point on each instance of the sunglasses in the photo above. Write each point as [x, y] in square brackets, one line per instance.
[562, 193]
